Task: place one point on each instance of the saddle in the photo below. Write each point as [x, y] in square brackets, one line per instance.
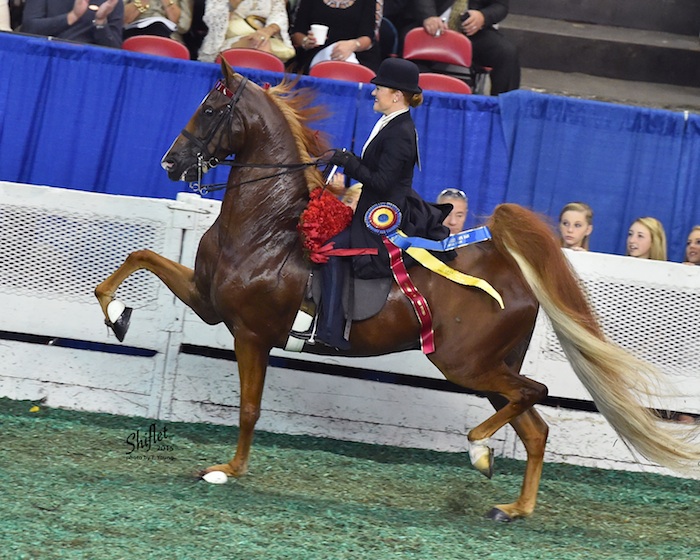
[361, 298]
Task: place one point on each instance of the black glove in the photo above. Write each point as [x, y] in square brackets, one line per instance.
[340, 158]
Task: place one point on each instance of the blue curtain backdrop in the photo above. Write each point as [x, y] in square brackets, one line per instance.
[97, 119]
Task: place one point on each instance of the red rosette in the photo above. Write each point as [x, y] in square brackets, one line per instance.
[324, 217]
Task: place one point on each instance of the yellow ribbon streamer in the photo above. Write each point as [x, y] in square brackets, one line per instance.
[431, 262]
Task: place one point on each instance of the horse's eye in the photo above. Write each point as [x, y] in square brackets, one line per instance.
[208, 111]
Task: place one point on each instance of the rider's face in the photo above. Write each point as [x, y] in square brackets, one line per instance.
[384, 99]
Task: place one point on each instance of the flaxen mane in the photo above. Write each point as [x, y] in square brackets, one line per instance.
[296, 106]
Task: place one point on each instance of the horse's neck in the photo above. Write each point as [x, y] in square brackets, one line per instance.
[266, 210]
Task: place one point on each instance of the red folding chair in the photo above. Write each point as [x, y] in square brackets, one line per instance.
[159, 46]
[251, 58]
[442, 82]
[449, 47]
[341, 70]
[449, 53]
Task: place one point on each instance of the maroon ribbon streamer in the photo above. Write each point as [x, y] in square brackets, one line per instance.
[420, 305]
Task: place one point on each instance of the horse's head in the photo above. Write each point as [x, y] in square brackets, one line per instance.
[209, 135]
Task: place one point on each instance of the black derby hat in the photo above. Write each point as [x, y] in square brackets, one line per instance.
[397, 73]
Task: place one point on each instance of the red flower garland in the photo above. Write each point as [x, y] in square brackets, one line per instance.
[324, 217]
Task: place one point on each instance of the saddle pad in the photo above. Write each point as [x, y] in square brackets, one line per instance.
[368, 298]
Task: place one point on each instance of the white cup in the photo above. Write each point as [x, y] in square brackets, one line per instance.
[320, 32]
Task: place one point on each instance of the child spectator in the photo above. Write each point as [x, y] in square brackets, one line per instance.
[646, 239]
[575, 226]
[692, 248]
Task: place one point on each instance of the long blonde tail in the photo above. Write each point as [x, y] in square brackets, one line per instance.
[621, 385]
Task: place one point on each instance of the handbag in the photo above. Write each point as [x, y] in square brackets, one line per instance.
[239, 26]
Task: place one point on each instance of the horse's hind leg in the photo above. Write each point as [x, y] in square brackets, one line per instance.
[177, 277]
[533, 431]
[519, 394]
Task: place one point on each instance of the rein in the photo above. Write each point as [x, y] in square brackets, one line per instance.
[213, 162]
[207, 161]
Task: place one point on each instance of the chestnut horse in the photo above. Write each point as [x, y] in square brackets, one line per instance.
[250, 273]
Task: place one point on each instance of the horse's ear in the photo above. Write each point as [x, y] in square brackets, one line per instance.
[226, 70]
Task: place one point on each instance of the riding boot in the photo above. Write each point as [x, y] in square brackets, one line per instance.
[331, 316]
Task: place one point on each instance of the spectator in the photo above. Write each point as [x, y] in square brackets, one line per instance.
[575, 226]
[460, 206]
[351, 25]
[165, 18]
[489, 46]
[692, 248]
[402, 18]
[253, 24]
[16, 9]
[198, 29]
[5, 16]
[646, 239]
[100, 23]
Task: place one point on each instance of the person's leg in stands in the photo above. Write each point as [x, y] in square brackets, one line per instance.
[491, 48]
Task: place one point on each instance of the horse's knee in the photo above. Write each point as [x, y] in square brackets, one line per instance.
[137, 258]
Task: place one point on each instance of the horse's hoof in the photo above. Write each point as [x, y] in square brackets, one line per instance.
[485, 465]
[224, 468]
[481, 456]
[118, 318]
[499, 515]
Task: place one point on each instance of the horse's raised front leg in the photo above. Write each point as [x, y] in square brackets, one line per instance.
[252, 358]
[177, 277]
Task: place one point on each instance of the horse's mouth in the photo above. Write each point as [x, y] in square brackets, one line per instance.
[189, 175]
[178, 172]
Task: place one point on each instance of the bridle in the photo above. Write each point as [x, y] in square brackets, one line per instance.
[205, 160]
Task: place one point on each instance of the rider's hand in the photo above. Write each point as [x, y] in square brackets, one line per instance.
[340, 158]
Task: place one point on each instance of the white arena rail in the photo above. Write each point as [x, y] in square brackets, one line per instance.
[56, 245]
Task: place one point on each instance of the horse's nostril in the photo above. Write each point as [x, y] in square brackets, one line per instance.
[167, 164]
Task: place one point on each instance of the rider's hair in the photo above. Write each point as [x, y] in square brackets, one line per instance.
[412, 99]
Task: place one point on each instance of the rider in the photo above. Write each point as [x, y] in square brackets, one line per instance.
[385, 169]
